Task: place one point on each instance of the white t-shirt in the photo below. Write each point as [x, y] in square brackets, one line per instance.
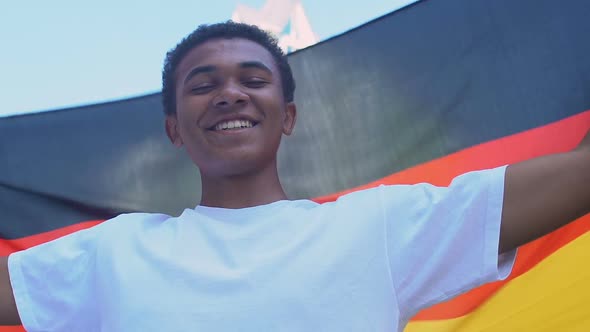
[367, 262]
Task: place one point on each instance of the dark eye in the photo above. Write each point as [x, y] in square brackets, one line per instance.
[255, 83]
[202, 88]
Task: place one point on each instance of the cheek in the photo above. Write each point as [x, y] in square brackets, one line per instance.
[271, 101]
[184, 124]
[189, 111]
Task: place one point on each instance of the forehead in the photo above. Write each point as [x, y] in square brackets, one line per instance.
[225, 52]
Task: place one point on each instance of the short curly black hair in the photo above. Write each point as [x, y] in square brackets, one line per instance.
[224, 30]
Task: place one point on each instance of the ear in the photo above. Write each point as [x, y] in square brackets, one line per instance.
[290, 118]
[172, 130]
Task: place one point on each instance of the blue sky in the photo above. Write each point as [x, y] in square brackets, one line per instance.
[65, 53]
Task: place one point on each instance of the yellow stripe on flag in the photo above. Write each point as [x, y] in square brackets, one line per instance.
[553, 296]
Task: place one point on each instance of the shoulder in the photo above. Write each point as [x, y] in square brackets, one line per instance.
[365, 200]
[129, 224]
[134, 220]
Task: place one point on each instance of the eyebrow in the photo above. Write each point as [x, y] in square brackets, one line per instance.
[208, 69]
[199, 70]
[255, 64]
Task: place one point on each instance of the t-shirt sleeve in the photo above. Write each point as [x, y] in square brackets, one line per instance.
[443, 241]
[54, 283]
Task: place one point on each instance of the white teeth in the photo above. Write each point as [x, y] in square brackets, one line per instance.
[231, 124]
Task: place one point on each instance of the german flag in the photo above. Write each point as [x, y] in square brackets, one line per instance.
[423, 94]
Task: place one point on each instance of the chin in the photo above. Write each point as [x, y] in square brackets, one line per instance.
[234, 165]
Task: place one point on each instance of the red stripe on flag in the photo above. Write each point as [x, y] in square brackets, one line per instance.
[560, 136]
[9, 246]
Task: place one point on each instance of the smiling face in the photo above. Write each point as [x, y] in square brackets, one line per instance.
[230, 109]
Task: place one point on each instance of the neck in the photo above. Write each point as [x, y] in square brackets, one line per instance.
[244, 190]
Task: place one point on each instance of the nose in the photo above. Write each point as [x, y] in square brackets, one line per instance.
[231, 94]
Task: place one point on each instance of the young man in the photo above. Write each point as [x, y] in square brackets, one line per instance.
[248, 259]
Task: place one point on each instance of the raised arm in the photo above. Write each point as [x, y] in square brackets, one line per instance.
[8, 313]
[543, 194]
